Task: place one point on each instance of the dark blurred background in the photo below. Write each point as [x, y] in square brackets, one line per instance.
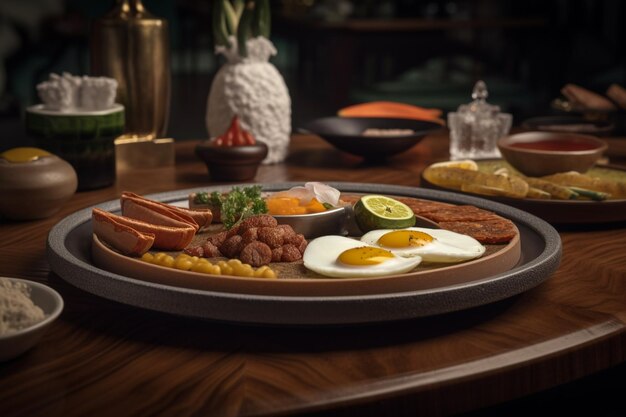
[335, 53]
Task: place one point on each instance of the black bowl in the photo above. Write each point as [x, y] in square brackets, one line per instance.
[346, 134]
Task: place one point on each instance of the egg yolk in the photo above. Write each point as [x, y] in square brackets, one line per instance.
[291, 206]
[365, 256]
[404, 239]
[25, 154]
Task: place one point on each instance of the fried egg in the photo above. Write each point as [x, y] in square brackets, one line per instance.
[432, 245]
[337, 256]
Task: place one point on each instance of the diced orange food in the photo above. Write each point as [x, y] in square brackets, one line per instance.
[291, 206]
[392, 109]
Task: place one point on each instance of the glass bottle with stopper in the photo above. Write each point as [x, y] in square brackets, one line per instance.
[475, 127]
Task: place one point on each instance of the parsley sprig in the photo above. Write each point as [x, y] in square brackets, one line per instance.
[236, 205]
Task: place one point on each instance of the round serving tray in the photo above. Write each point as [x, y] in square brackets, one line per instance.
[69, 254]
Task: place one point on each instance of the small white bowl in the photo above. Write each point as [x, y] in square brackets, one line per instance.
[15, 343]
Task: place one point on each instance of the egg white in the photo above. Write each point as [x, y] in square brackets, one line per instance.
[321, 256]
[446, 247]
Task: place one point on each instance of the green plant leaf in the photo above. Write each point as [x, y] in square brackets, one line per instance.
[231, 18]
[245, 28]
[220, 34]
[238, 6]
[262, 19]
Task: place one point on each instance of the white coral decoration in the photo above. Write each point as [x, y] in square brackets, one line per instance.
[69, 92]
[97, 93]
[253, 89]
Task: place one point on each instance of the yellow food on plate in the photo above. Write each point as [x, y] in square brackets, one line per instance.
[342, 257]
[574, 179]
[487, 190]
[537, 193]
[493, 179]
[313, 197]
[186, 262]
[554, 190]
[456, 178]
[432, 245]
[464, 164]
[292, 206]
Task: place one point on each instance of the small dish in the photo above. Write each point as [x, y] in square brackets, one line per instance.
[232, 163]
[543, 153]
[15, 343]
[347, 134]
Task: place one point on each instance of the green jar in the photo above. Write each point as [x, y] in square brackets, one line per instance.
[85, 139]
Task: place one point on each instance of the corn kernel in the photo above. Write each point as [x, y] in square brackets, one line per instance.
[167, 261]
[269, 273]
[259, 272]
[233, 262]
[243, 270]
[158, 257]
[147, 257]
[227, 270]
[201, 265]
[215, 270]
[183, 263]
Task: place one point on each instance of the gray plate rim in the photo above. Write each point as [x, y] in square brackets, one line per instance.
[541, 255]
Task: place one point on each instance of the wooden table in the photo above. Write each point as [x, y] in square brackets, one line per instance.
[102, 358]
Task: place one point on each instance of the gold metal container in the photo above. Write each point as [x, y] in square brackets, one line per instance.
[131, 45]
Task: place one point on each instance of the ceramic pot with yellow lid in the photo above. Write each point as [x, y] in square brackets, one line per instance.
[34, 183]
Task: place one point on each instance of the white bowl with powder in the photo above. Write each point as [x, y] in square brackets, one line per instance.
[27, 309]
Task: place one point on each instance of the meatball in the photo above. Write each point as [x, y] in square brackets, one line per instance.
[210, 250]
[271, 236]
[232, 246]
[256, 254]
[277, 254]
[261, 220]
[194, 251]
[250, 235]
[288, 231]
[290, 253]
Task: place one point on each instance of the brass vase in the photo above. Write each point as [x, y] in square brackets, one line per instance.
[131, 45]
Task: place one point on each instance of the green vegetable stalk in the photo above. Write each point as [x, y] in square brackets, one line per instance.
[242, 19]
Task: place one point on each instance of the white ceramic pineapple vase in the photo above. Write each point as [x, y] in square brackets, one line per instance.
[253, 89]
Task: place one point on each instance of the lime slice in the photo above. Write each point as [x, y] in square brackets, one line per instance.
[374, 212]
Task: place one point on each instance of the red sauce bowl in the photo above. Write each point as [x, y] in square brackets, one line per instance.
[543, 153]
